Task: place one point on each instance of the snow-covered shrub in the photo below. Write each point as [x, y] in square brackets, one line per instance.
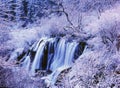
[110, 36]
[98, 66]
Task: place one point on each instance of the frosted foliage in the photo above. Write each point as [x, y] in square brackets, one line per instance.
[99, 65]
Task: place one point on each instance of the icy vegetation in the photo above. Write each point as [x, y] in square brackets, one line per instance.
[99, 65]
[60, 43]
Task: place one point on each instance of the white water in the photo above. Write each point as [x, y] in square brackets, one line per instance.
[50, 54]
[69, 55]
[59, 55]
[37, 60]
[26, 63]
[54, 54]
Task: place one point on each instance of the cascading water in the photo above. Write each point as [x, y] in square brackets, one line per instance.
[51, 54]
[26, 63]
[59, 55]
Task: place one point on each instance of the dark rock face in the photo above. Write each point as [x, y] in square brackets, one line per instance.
[79, 50]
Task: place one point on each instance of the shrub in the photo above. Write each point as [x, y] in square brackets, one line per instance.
[111, 36]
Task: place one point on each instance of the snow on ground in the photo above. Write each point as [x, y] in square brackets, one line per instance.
[99, 65]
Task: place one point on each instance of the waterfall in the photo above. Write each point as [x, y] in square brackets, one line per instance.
[26, 63]
[59, 55]
[38, 57]
[51, 54]
[70, 50]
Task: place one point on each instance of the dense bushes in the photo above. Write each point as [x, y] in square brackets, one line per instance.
[110, 36]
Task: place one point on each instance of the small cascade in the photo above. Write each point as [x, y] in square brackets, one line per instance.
[59, 55]
[38, 57]
[69, 54]
[51, 54]
[26, 63]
